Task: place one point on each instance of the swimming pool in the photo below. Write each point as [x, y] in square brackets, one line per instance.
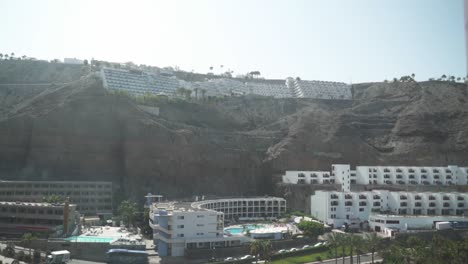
[240, 229]
[90, 239]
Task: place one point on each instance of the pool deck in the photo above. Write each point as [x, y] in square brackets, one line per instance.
[107, 234]
[262, 228]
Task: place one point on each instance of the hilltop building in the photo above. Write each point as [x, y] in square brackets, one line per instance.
[138, 82]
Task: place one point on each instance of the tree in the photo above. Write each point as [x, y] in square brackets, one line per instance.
[311, 229]
[9, 250]
[27, 239]
[443, 77]
[196, 92]
[413, 75]
[85, 62]
[373, 243]
[203, 92]
[1, 56]
[53, 199]
[181, 91]
[24, 57]
[211, 68]
[261, 249]
[187, 94]
[128, 212]
[335, 240]
[12, 55]
[255, 249]
[6, 56]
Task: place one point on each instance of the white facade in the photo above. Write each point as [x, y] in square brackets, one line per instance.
[385, 175]
[308, 177]
[254, 208]
[319, 89]
[178, 227]
[383, 223]
[337, 208]
[72, 61]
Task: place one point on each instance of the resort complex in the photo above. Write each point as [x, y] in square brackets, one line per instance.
[140, 82]
[377, 197]
[337, 208]
[381, 175]
[178, 226]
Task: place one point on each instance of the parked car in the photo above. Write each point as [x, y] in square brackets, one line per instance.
[318, 244]
[246, 257]
[229, 259]
[305, 246]
[283, 251]
[293, 249]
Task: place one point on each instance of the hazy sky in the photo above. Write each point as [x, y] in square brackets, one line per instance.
[350, 41]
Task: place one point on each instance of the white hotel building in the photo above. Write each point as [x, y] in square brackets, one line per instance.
[381, 175]
[337, 208]
[180, 226]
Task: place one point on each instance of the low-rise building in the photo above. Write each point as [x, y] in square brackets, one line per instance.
[17, 218]
[241, 209]
[337, 208]
[91, 197]
[179, 226]
[381, 175]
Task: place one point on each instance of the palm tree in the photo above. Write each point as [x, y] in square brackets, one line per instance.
[27, 239]
[255, 249]
[344, 242]
[413, 75]
[1, 56]
[335, 241]
[196, 92]
[6, 56]
[443, 77]
[12, 55]
[267, 248]
[373, 243]
[211, 68]
[360, 247]
[203, 92]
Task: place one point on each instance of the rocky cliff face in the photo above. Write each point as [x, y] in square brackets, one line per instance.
[235, 146]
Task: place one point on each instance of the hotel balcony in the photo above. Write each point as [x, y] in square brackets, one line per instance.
[348, 203]
[334, 196]
[334, 203]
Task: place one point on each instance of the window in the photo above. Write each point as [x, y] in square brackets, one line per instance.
[180, 217]
[200, 225]
[361, 209]
[180, 226]
[200, 234]
[180, 235]
[393, 221]
[200, 216]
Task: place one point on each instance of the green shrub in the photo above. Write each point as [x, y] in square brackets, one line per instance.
[20, 255]
[318, 258]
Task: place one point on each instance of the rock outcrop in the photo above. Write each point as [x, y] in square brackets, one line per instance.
[233, 146]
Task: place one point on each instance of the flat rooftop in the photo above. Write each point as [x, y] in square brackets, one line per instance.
[34, 204]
